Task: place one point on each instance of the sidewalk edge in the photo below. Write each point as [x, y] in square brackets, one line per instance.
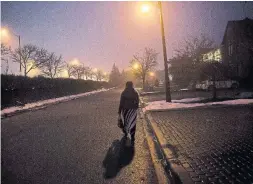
[157, 162]
[178, 170]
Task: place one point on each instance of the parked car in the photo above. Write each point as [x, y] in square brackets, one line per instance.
[224, 84]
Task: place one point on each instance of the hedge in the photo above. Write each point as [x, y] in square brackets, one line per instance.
[26, 90]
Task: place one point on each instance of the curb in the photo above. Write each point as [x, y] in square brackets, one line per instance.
[175, 172]
[179, 174]
[157, 158]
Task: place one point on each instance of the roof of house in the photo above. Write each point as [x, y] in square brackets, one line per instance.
[237, 24]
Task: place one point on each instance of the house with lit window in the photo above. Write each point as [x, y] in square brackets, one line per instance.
[212, 55]
[237, 47]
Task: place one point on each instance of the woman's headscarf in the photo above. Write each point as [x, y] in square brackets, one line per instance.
[129, 85]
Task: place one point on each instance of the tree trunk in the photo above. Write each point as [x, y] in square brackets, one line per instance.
[25, 73]
[143, 83]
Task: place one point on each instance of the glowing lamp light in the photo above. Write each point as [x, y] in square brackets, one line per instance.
[136, 66]
[152, 74]
[75, 62]
[4, 32]
[145, 8]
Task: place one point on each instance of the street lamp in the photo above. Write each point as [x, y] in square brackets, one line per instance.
[136, 66]
[166, 70]
[152, 74]
[4, 32]
[145, 8]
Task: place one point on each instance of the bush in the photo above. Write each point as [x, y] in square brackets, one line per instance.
[26, 90]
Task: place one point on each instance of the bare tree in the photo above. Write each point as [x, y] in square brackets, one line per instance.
[87, 73]
[5, 53]
[70, 70]
[141, 65]
[78, 71]
[53, 65]
[100, 75]
[185, 67]
[213, 71]
[193, 47]
[31, 57]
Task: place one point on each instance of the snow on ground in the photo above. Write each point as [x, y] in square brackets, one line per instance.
[246, 95]
[49, 101]
[152, 92]
[188, 100]
[184, 103]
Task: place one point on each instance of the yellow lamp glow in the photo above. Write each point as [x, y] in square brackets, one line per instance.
[145, 8]
[152, 74]
[136, 66]
[4, 32]
[75, 62]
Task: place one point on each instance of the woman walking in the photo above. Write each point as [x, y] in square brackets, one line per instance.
[129, 103]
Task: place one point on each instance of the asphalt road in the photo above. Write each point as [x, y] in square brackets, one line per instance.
[73, 142]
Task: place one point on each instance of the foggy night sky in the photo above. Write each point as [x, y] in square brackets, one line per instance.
[102, 33]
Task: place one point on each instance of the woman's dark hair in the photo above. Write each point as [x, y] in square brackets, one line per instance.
[129, 84]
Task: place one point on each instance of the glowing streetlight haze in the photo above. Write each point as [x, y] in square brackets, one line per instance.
[136, 66]
[145, 8]
[152, 74]
[75, 62]
[4, 32]
[5, 36]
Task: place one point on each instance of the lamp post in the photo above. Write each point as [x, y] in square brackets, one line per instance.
[145, 9]
[166, 70]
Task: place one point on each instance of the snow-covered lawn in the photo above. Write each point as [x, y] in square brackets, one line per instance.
[152, 92]
[10, 110]
[245, 95]
[185, 103]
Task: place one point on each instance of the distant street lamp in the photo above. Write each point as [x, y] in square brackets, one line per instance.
[151, 74]
[145, 8]
[4, 33]
[136, 66]
[75, 62]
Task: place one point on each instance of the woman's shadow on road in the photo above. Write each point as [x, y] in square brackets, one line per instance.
[117, 157]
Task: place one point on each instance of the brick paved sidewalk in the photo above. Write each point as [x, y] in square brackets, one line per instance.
[213, 145]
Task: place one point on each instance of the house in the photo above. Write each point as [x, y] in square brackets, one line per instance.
[237, 47]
